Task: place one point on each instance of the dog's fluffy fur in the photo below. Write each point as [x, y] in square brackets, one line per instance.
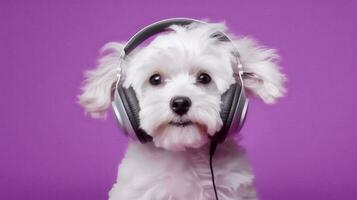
[175, 166]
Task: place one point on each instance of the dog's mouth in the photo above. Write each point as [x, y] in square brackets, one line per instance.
[181, 123]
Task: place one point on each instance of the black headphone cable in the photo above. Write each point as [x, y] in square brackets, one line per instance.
[211, 153]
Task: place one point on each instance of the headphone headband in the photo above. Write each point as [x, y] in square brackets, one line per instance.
[153, 29]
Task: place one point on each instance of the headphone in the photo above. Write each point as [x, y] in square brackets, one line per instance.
[234, 103]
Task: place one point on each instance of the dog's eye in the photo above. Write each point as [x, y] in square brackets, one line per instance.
[203, 78]
[155, 79]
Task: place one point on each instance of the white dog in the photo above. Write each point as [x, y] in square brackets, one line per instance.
[186, 62]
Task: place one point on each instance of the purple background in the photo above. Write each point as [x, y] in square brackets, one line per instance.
[305, 147]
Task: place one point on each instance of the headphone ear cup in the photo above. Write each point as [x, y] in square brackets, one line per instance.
[243, 116]
[132, 108]
[229, 103]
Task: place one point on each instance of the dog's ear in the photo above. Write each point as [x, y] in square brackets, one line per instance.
[99, 83]
[262, 76]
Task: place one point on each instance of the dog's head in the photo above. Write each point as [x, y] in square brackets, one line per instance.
[179, 78]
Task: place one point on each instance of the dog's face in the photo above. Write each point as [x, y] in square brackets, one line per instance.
[179, 78]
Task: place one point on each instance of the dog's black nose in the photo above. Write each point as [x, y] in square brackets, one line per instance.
[180, 104]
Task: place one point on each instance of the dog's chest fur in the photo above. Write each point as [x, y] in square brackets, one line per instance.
[150, 173]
